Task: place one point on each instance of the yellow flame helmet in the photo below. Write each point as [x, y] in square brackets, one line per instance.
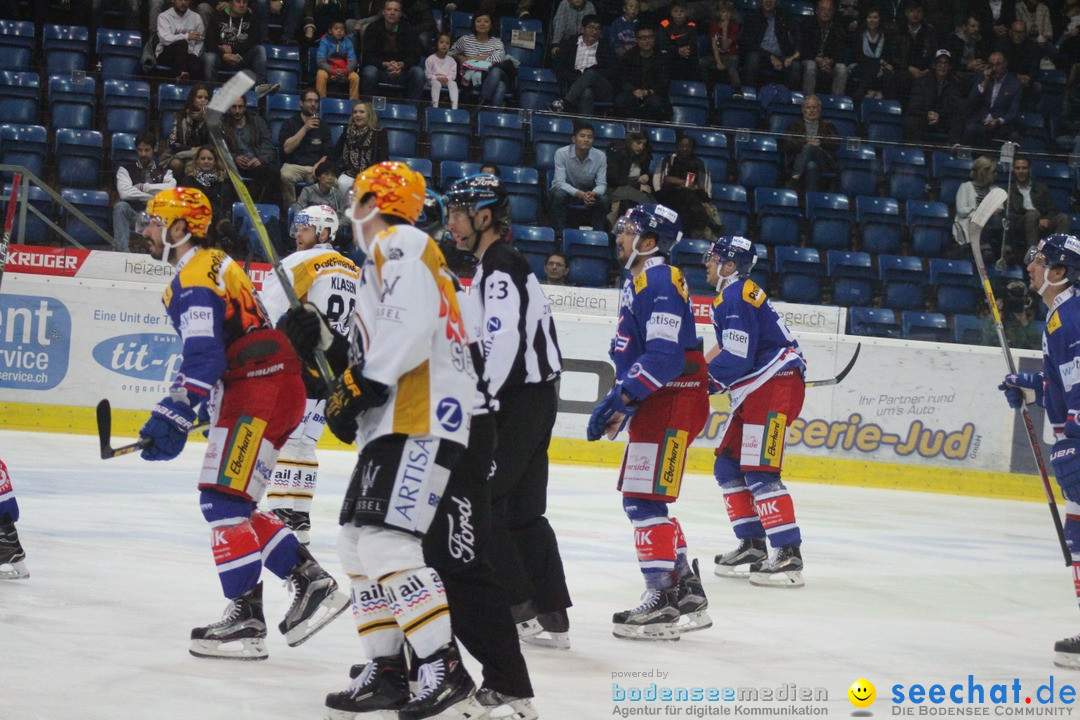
[399, 190]
[186, 203]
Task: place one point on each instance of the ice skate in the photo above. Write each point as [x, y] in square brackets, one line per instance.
[554, 631]
[783, 569]
[736, 564]
[692, 602]
[1067, 652]
[656, 618]
[505, 707]
[297, 521]
[379, 689]
[316, 600]
[12, 555]
[446, 690]
[525, 620]
[239, 635]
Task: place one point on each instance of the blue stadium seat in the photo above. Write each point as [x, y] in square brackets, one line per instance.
[875, 322]
[269, 214]
[335, 111]
[120, 53]
[760, 272]
[1053, 90]
[37, 230]
[734, 209]
[687, 255]
[279, 108]
[536, 88]
[712, 147]
[127, 106]
[954, 285]
[1058, 178]
[879, 221]
[607, 133]
[1074, 224]
[689, 102]
[857, 170]
[949, 173]
[840, 111]
[800, 271]
[523, 186]
[452, 170]
[447, 120]
[906, 171]
[20, 91]
[1032, 128]
[448, 146]
[758, 160]
[549, 128]
[529, 58]
[903, 281]
[662, 139]
[72, 102]
[95, 205]
[66, 48]
[852, 277]
[590, 256]
[502, 137]
[778, 216]
[16, 44]
[460, 23]
[882, 120]
[780, 117]
[535, 243]
[283, 66]
[171, 98]
[122, 148]
[968, 329]
[930, 226]
[79, 156]
[738, 113]
[402, 123]
[22, 145]
[420, 165]
[829, 215]
[929, 326]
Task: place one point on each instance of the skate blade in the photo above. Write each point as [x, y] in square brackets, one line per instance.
[789, 579]
[16, 571]
[328, 610]
[740, 572]
[332, 714]
[529, 628]
[468, 708]
[657, 632]
[694, 621]
[557, 641]
[519, 709]
[250, 649]
[1067, 660]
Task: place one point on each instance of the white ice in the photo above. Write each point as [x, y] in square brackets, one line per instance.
[900, 588]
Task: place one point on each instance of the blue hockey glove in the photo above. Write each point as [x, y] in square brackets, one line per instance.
[1023, 388]
[611, 404]
[167, 429]
[1065, 457]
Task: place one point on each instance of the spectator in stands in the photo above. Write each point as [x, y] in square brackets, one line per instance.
[580, 175]
[206, 172]
[995, 16]
[1069, 128]
[628, 180]
[586, 66]
[250, 142]
[645, 79]
[824, 43]
[916, 44]
[682, 183]
[180, 40]
[319, 15]
[934, 111]
[622, 30]
[305, 142]
[336, 62]
[389, 53]
[968, 197]
[232, 40]
[136, 182]
[1024, 55]
[325, 191]
[189, 131]
[441, 71]
[289, 12]
[567, 21]
[875, 57]
[362, 144]
[722, 65]
[847, 12]
[994, 104]
[969, 49]
[680, 42]
[770, 36]
[1036, 18]
[1033, 213]
[1017, 312]
[489, 169]
[809, 145]
[480, 55]
[556, 269]
[1068, 45]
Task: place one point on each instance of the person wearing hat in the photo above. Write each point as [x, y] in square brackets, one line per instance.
[933, 111]
[916, 42]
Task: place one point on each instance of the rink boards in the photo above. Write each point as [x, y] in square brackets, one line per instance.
[78, 326]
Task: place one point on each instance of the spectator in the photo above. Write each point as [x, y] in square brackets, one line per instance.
[326, 190]
[488, 169]
[189, 131]
[823, 46]
[290, 13]
[995, 16]
[934, 111]
[769, 35]
[622, 30]
[389, 54]
[1069, 127]
[180, 40]
[808, 146]
[875, 57]
[580, 174]
[994, 104]
[724, 42]
[480, 56]
[362, 144]
[645, 80]
[567, 20]
[1023, 54]
[969, 50]
[232, 39]
[916, 44]
[1032, 212]
[305, 142]
[206, 172]
[249, 140]
[586, 65]
[556, 269]
[319, 15]
[441, 71]
[336, 60]
[848, 13]
[1017, 313]
[628, 181]
[968, 197]
[1036, 18]
[680, 42]
[137, 182]
[682, 183]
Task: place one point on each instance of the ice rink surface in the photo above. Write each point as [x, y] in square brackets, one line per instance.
[901, 588]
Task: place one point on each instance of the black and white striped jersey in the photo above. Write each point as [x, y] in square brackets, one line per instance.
[518, 338]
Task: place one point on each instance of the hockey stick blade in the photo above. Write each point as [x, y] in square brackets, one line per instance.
[843, 373]
[229, 93]
[104, 424]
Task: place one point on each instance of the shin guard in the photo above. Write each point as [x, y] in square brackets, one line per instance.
[775, 508]
[654, 540]
[280, 549]
[418, 601]
[738, 500]
[682, 564]
[237, 556]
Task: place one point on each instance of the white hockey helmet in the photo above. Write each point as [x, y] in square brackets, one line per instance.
[319, 217]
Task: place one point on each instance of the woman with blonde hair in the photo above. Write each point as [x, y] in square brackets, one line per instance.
[970, 194]
[362, 144]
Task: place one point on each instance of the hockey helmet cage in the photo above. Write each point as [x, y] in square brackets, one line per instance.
[320, 217]
[399, 190]
[735, 248]
[1059, 249]
[658, 220]
[186, 203]
[475, 192]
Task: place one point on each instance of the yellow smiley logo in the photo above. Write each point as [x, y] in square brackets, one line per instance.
[862, 693]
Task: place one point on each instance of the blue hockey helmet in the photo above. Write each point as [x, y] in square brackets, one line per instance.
[657, 220]
[735, 248]
[1059, 249]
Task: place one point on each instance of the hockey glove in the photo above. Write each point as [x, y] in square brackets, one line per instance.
[307, 330]
[351, 394]
[1023, 388]
[167, 429]
[604, 410]
[1065, 457]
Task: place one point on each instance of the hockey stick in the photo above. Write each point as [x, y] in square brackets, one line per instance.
[842, 374]
[9, 221]
[993, 201]
[104, 428]
[232, 91]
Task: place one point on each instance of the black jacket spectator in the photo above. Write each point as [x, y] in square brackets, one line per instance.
[380, 45]
[315, 145]
[650, 74]
[261, 139]
[753, 32]
[240, 33]
[991, 27]
[677, 36]
[606, 63]
[1023, 54]
[939, 93]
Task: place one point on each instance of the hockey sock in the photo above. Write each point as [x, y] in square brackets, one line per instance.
[279, 492]
[775, 508]
[681, 563]
[654, 539]
[280, 548]
[418, 601]
[9, 506]
[303, 489]
[379, 632]
[738, 500]
[236, 554]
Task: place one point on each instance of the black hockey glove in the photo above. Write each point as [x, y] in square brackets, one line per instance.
[307, 330]
[351, 394]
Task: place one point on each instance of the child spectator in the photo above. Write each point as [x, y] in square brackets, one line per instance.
[440, 69]
[622, 30]
[724, 40]
[324, 192]
[336, 59]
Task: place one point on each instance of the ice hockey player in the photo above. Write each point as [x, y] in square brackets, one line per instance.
[759, 364]
[12, 555]
[403, 393]
[661, 391]
[241, 375]
[1054, 268]
[323, 277]
[523, 362]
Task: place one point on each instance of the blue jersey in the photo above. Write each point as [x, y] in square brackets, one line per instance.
[656, 328]
[1061, 364]
[754, 340]
[211, 303]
